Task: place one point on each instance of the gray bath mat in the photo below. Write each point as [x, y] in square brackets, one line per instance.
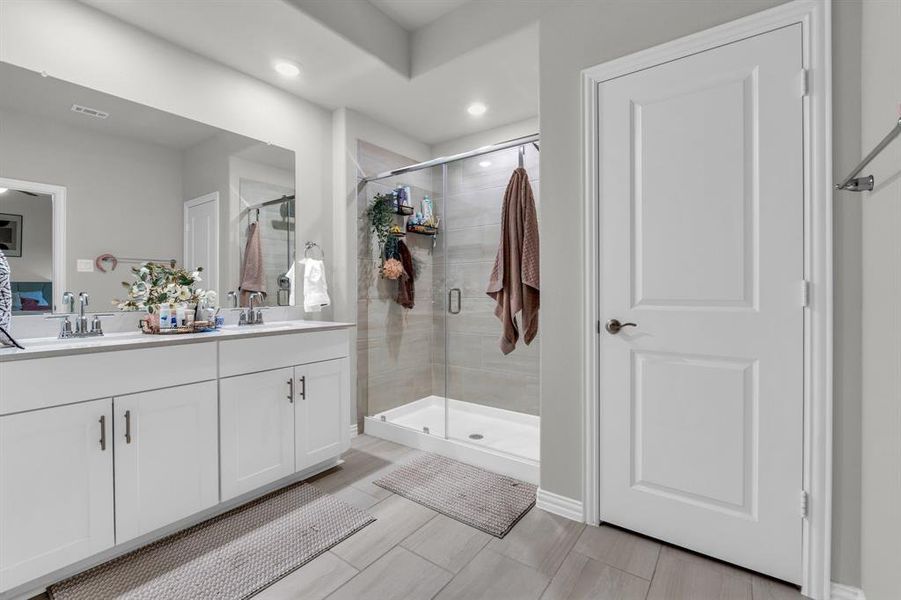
[479, 498]
[230, 557]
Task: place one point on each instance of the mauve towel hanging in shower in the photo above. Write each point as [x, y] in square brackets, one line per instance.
[514, 283]
[405, 288]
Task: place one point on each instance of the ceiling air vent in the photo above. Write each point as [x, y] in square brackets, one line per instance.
[91, 112]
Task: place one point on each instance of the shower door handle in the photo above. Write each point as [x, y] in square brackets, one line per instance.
[450, 301]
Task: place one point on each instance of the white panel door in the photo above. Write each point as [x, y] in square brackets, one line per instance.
[167, 464]
[701, 180]
[56, 488]
[321, 418]
[202, 238]
[257, 430]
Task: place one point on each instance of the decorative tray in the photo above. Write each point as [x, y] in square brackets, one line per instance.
[195, 327]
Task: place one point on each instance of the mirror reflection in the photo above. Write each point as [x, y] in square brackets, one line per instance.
[135, 185]
[26, 239]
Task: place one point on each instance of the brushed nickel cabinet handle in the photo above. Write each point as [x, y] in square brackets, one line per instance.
[127, 426]
[103, 433]
[291, 390]
[303, 387]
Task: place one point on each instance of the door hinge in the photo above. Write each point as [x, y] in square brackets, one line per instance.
[804, 82]
[805, 504]
[599, 327]
[805, 293]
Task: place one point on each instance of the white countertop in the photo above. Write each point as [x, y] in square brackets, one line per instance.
[51, 346]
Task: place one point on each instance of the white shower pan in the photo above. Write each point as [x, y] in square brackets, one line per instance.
[498, 440]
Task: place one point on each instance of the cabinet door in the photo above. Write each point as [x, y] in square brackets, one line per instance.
[257, 430]
[56, 488]
[323, 393]
[167, 466]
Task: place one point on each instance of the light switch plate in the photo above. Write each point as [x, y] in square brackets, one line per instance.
[84, 265]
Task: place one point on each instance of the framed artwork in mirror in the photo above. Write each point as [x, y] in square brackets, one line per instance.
[11, 235]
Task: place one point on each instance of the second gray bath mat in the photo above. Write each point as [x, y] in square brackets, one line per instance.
[487, 501]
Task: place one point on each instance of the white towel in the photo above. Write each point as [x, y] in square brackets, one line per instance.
[290, 275]
[315, 289]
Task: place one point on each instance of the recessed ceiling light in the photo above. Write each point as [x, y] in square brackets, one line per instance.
[476, 109]
[485, 163]
[287, 69]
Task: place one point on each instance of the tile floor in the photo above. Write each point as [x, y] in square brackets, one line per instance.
[414, 553]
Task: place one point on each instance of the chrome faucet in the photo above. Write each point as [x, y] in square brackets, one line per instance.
[254, 317]
[234, 298]
[81, 321]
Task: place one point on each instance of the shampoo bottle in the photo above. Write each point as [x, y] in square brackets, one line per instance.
[164, 316]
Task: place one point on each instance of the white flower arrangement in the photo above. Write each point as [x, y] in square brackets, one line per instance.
[157, 284]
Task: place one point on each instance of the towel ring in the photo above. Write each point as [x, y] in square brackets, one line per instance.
[308, 247]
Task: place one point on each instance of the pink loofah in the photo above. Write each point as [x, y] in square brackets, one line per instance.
[392, 269]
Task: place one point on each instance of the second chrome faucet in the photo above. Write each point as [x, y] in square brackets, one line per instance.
[81, 320]
[253, 314]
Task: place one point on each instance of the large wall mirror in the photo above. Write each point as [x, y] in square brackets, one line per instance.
[92, 185]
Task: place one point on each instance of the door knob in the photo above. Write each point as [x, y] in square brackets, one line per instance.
[614, 326]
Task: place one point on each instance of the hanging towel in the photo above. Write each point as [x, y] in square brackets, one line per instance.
[290, 275]
[405, 288]
[253, 276]
[315, 288]
[514, 279]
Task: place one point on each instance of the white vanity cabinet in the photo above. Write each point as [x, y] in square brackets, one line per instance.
[257, 425]
[279, 422]
[56, 488]
[106, 449]
[167, 467]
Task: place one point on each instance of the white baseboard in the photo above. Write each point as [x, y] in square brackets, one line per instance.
[841, 591]
[560, 505]
[354, 430]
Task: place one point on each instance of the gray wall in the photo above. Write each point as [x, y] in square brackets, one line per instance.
[847, 297]
[881, 493]
[576, 35]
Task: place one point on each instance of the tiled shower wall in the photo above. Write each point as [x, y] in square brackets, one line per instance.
[394, 364]
[477, 371]
[400, 353]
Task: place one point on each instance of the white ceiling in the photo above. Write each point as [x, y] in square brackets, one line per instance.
[249, 35]
[413, 14]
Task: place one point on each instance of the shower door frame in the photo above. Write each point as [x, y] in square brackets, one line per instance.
[501, 462]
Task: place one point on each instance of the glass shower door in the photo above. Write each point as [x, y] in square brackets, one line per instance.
[492, 397]
[400, 345]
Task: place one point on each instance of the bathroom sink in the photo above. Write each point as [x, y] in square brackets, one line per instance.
[53, 343]
[273, 326]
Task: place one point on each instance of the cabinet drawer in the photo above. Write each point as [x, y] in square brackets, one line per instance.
[43, 382]
[250, 355]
